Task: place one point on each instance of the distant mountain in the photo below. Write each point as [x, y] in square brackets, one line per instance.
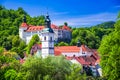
[109, 24]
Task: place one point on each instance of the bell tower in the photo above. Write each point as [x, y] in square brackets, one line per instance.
[47, 38]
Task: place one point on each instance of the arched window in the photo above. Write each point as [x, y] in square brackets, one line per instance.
[50, 38]
[45, 38]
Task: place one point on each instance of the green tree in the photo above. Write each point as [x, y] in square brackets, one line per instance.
[34, 40]
[10, 21]
[10, 74]
[54, 68]
[63, 44]
[16, 41]
[1, 50]
[65, 23]
[9, 65]
[75, 73]
[110, 54]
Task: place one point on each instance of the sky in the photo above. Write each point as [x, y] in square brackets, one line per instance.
[74, 12]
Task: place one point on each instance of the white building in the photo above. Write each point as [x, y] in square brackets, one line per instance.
[26, 32]
[47, 35]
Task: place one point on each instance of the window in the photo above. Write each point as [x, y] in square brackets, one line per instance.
[83, 52]
[50, 38]
[74, 55]
[45, 38]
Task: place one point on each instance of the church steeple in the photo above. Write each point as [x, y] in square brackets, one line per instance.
[24, 19]
[47, 38]
[47, 21]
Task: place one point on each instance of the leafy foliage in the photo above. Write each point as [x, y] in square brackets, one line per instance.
[91, 36]
[10, 21]
[52, 68]
[110, 54]
[35, 39]
[62, 44]
[8, 65]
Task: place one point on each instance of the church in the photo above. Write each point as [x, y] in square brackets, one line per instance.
[26, 31]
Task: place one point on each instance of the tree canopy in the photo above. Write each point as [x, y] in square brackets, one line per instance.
[34, 40]
[110, 53]
[10, 20]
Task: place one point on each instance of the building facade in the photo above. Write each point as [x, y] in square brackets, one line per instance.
[47, 39]
[26, 32]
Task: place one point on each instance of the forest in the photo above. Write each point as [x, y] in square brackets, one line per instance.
[104, 37]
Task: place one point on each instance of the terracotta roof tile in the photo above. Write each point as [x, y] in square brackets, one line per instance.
[34, 28]
[24, 25]
[85, 60]
[68, 49]
[37, 28]
[54, 26]
[66, 28]
[57, 53]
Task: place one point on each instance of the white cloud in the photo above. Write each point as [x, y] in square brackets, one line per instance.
[88, 19]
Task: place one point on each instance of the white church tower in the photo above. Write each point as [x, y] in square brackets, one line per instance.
[47, 38]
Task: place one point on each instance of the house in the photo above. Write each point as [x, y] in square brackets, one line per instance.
[26, 31]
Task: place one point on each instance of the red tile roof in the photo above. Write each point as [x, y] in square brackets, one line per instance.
[57, 53]
[24, 25]
[85, 48]
[34, 28]
[54, 26]
[38, 28]
[86, 60]
[67, 49]
[66, 28]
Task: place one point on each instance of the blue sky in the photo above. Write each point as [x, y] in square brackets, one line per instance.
[75, 12]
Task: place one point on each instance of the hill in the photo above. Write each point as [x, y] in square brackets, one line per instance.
[91, 36]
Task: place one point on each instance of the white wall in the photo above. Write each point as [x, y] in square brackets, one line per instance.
[71, 54]
[47, 45]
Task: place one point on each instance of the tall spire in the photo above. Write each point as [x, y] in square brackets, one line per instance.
[47, 21]
[24, 19]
